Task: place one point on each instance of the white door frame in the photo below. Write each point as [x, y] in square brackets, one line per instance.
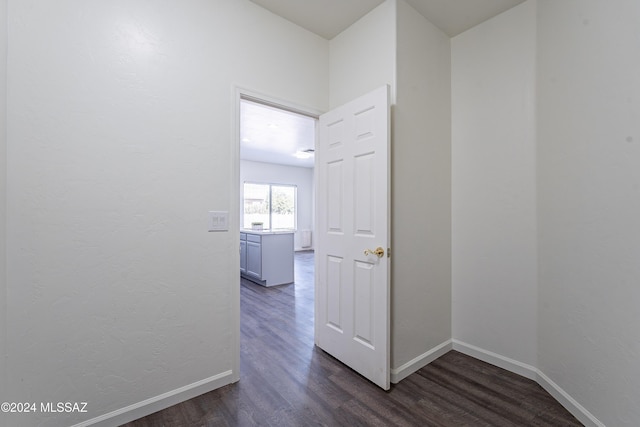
[238, 94]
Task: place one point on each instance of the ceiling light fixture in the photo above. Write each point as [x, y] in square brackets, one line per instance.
[302, 155]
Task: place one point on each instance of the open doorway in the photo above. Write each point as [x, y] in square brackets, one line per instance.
[351, 299]
[277, 198]
[277, 187]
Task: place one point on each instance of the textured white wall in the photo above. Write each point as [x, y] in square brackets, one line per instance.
[362, 58]
[3, 200]
[119, 142]
[589, 203]
[421, 189]
[494, 185]
[279, 174]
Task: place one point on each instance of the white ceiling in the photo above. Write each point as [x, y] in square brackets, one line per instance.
[273, 136]
[328, 18]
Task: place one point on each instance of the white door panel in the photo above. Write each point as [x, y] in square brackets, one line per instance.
[352, 293]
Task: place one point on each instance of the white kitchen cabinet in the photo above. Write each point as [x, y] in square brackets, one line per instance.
[268, 257]
[254, 256]
[243, 253]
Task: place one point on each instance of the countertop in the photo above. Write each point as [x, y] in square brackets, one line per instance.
[266, 232]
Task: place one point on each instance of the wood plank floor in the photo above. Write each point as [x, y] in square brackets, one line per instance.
[286, 381]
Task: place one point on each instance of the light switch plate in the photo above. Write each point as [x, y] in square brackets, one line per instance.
[218, 221]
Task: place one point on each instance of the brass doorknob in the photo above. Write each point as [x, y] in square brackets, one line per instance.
[379, 252]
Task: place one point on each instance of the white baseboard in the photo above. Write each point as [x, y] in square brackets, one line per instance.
[498, 360]
[400, 373]
[528, 371]
[157, 403]
[578, 411]
[163, 401]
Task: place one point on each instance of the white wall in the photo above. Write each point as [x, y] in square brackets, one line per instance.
[119, 142]
[3, 200]
[362, 58]
[589, 203]
[569, 170]
[421, 193]
[302, 178]
[494, 186]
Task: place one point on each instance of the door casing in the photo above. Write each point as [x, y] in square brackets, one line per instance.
[239, 93]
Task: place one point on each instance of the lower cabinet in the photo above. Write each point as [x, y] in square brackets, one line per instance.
[254, 259]
[243, 253]
[266, 258]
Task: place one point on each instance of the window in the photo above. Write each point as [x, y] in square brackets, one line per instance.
[273, 205]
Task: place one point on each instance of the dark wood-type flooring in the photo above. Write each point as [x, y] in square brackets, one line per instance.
[286, 381]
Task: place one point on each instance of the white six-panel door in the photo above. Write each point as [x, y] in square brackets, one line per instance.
[352, 208]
